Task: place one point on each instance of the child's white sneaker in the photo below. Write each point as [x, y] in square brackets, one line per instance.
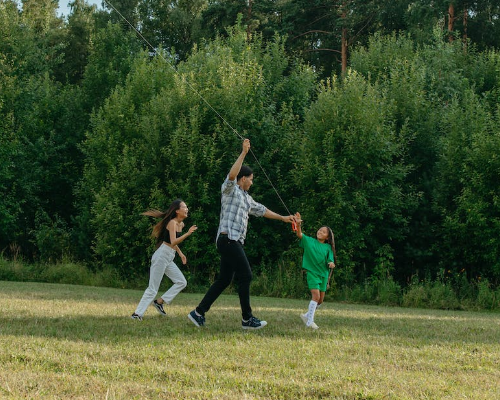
[313, 326]
[304, 318]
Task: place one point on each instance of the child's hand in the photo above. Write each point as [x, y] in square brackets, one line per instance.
[298, 218]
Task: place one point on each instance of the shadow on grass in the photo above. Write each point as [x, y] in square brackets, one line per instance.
[224, 323]
[337, 321]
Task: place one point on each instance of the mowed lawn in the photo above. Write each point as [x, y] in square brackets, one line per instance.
[76, 342]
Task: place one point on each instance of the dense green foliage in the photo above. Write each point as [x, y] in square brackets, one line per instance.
[399, 154]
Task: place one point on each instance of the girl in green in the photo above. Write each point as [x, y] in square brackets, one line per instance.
[319, 261]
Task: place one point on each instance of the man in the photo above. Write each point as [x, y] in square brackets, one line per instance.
[236, 206]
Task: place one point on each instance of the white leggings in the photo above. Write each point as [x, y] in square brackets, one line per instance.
[162, 263]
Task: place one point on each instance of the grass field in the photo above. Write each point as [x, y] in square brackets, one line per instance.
[76, 342]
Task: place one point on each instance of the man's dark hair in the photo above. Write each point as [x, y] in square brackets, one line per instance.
[244, 171]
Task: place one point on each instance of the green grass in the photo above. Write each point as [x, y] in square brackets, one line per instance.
[78, 342]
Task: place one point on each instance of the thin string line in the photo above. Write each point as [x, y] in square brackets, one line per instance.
[202, 98]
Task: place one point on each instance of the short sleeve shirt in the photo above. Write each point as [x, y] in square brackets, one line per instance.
[236, 206]
[316, 256]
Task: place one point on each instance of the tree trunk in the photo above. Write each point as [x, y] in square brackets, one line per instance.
[464, 37]
[249, 18]
[344, 50]
[451, 20]
[344, 44]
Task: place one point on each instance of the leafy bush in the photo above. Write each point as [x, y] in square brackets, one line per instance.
[487, 298]
[284, 279]
[416, 296]
[66, 272]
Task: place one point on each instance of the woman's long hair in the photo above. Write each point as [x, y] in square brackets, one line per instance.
[331, 241]
[166, 217]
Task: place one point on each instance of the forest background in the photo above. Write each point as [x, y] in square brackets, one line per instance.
[380, 119]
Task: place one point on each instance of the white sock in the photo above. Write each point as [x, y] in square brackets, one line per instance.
[310, 313]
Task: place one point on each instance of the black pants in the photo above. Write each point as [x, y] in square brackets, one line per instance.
[233, 263]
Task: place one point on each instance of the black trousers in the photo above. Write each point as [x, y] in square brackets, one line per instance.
[233, 264]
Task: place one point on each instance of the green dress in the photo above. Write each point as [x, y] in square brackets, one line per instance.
[316, 258]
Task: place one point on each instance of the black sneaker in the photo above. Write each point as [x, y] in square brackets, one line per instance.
[253, 323]
[136, 316]
[198, 320]
[159, 307]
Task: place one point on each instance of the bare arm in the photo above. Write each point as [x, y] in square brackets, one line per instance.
[285, 218]
[235, 169]
[331, 266]
[181, 255]
[172, 231]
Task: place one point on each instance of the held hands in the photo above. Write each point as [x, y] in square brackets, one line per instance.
[298, 218]
[288, 218]
[296, 224]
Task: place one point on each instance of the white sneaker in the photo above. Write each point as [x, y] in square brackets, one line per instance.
[304, 318]
[313, 326]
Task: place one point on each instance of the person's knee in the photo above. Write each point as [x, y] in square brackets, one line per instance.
[245, 277]
[224, 281]
[182, 283]
[152, 291]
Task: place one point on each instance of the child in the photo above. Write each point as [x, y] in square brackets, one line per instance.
[168, 234]
[319, 256]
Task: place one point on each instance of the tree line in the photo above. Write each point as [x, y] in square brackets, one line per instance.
[392, 140]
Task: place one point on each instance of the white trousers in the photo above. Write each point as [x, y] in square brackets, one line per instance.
[162, 263]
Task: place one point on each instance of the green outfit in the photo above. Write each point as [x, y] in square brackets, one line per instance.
[315, 261]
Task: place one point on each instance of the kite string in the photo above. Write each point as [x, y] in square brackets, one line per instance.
[202, 98]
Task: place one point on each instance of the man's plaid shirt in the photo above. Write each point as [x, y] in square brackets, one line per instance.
[236, 206]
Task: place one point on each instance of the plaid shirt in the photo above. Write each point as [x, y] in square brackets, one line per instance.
[236, 206]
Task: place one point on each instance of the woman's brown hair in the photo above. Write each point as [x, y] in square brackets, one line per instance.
[166, 217]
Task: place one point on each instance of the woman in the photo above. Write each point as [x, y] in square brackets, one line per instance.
[168, 234]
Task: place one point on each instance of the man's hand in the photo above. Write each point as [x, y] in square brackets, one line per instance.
[246, 146]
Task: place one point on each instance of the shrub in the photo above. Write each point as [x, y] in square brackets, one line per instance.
[285, 280]
[486, 297]
[442, 296]
[388, 292]
[416, 295]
